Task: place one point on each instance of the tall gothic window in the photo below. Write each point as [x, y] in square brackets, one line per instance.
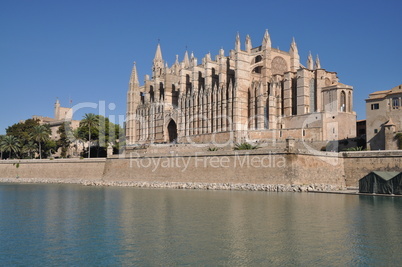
[342, 105]
[152, 94]
[313, 96]
[255, 109]
[350, 102]
[188, 84]
[249, 108]
[201, 81]
[215, 79]
[294, 96]
[161, 92]
[266, 114]
[282, 98]
[175, 97]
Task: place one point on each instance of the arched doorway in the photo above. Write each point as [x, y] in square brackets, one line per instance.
[172, 130]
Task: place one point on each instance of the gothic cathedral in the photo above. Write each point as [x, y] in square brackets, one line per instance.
[254, 94]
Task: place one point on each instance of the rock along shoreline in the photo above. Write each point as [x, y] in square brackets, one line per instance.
[178, 185]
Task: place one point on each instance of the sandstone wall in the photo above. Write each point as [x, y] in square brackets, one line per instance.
[359, 164]
[224, 167]
[229, 167]
[87, 169]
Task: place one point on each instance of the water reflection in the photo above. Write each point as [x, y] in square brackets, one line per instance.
[75, 225]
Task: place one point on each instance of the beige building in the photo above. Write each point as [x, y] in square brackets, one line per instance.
[62, 115]
[384, 118]
[252, 94]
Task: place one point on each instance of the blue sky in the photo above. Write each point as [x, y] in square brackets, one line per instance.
[84, 50]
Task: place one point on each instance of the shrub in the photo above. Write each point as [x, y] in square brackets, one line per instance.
[212, 149]
[245, 146]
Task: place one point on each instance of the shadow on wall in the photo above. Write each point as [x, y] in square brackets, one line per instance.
[348, 144]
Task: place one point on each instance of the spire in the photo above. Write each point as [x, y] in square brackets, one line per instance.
[208, 56]
[158, 54]
[186, 60]
[158, 66]
[310, 61]
[221, 52]
[294, 56]
[134, 78]
[293, 47]
[317, 64]
[266, 42]
[237, 45]
[57, 109]
[248, 44]
[177, 60]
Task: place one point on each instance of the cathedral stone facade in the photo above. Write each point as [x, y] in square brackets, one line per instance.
[253, 94]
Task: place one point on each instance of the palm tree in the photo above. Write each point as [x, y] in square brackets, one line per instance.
[90, 120]
[40, 133]
[29, 148]
[1, 150]
[10, 144]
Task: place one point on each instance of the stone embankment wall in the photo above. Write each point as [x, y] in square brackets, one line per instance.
[231, 167]
[88, 169]
[360, 163]
[242, 170]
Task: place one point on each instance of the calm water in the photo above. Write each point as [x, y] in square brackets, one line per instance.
[71, 225]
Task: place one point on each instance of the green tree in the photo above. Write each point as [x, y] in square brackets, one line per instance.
[64, 141]
[40, 134]
[102, 133]
[1, 150]
[10, 144]
[30, 149]
[90, 121]
[49, 147]
[22, 130]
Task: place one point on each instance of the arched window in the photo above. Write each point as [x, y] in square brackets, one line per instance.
[269, 89]
[313, 96]
[350, 102]
[161, 92]
[266, 114]
[258, 59]
[249, 108]
[201, 81]
[282, 98]
[294, 96]
[215, 78]
[257, 69]
[188, 85]
[175, 96]
[342, 106]
[151, 94]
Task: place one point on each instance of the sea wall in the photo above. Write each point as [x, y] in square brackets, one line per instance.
[360, 163]
[86, 169]
[232, 167]
[248, 170]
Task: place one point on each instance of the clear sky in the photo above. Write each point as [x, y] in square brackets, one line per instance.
[84, 50]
